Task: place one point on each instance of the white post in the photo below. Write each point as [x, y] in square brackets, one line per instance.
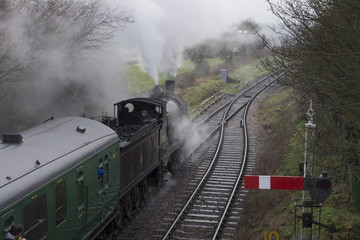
[310, 113]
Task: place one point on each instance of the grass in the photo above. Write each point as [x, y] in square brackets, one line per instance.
[214, 63]
[248, 72]
[186, 66]
[205, 88]
[136, 79]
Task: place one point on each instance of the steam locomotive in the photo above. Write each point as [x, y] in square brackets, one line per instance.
[70, 177]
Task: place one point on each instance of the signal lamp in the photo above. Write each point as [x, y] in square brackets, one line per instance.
[319, 188]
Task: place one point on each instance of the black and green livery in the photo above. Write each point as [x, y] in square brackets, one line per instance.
[68, 178]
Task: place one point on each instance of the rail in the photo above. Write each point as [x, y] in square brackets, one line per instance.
[213, 161]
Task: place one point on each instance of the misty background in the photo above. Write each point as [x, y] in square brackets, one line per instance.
[66, 58]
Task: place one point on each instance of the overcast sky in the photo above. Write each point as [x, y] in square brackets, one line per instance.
[193, 20]
[195, 14]
[222, 10]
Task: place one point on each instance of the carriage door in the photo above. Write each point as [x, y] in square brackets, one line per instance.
[35, 217]
[103, 186]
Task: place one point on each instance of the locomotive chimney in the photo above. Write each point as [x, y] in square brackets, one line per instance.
[156, 92]
[170, 86]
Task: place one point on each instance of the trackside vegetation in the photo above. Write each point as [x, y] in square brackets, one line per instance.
[319, 54]
[283, 125]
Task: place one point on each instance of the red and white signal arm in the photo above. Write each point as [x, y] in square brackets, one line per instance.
[319, 188]
[274, 182]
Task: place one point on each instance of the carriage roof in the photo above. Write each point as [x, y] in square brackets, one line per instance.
[46, 151]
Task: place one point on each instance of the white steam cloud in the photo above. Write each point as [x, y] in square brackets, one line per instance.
[59, 79]
[191, 133]
[164, 27]
[151, 38]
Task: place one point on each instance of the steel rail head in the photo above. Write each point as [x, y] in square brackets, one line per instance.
[220, 108]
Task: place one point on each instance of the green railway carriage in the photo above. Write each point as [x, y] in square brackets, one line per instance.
[60, 180]
[69, 178]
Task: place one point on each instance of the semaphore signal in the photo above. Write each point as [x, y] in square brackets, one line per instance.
[319, 188]
[274, 182]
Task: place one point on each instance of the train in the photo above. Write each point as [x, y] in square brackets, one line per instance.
[71, 177]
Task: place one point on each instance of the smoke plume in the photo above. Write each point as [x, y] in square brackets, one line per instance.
[163, 28]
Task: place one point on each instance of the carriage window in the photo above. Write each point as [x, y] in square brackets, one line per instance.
[101, 173]
[80, 186]
[8, 223]
[106, 175]
[130, 107]
[35, 218]
[60, 198]
[106, 169]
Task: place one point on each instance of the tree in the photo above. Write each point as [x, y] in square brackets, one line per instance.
[199, 52]
[43, 46]
[9, 67]
[240, 40]
[248, 25]
[319, 53]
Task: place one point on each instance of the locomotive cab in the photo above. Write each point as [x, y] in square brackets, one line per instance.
[138, 112]
[135, 117]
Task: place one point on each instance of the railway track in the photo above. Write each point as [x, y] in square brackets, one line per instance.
[209, 204]
[205, 214]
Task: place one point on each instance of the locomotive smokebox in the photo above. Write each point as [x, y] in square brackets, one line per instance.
[170, 86]
[157, 92]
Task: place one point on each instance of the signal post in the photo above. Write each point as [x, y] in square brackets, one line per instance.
[319, 189]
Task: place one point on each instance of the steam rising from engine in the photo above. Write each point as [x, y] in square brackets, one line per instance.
[157, 92]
